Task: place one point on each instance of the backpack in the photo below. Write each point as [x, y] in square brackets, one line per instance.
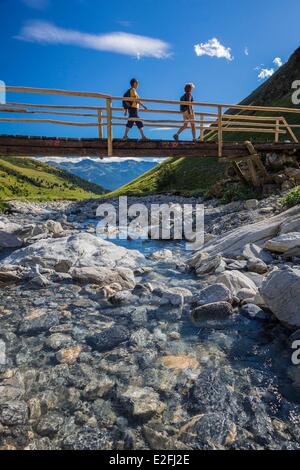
[183, 107]
[126, 104]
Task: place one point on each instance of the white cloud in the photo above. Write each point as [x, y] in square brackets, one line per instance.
[119, 42]
[213, 48]
[264, 73]
[37, 4]
[278, 61]
[246, 50]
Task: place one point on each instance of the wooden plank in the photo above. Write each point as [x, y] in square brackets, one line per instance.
[49, 121]
[48, 91]
[63, 146]
[202, 129]
[215, 105]
[239, 172]
[39, 112]
[100, 131]
[293, 135]
[253, 174]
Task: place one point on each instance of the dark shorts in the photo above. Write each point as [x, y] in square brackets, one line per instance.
[133, 113]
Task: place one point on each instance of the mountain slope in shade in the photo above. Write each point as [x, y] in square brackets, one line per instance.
[277, 90]
[111, 175]
[25, 178]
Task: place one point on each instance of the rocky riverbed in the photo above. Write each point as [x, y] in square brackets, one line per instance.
[146, 345]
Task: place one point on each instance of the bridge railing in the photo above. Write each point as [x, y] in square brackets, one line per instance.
[211, 119]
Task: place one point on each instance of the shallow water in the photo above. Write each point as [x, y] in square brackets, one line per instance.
[250, 357]
[238, 396]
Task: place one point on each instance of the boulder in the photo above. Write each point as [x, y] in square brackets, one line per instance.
[211, 312]
[109, 338]
[206, 264]
[284, 242]
[140, 402]
[175, 296]
[281, 293]
[255, 265]
[54, 227]
[68, 355]
[81, 249]
[253, 312]
[161, 255]
[13, 413]
[179, 362]
[212, 294]
[38, 321]
[104, 276]
[9, 277]
[251, 204]
[233, 243]
[252, 251]
[58, 341]
[9, 240]
[239, 284]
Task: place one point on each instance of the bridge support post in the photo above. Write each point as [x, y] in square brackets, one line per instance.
[220, 132]
[202, 128]
[100, 129]
[277, 130]
[109, 127]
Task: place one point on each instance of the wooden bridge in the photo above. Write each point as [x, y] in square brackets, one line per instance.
[213, 121]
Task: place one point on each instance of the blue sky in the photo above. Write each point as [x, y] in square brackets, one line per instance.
[95, 45]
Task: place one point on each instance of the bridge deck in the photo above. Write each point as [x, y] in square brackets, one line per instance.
[48, 146]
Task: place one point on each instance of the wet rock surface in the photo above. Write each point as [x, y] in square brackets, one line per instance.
[108, 357]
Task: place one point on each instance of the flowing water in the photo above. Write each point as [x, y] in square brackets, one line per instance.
[241, 383]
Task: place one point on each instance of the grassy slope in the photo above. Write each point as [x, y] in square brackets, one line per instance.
[181, 175]
[25, 178]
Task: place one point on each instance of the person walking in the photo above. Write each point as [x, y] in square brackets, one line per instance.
[131, 108]
[188, 112]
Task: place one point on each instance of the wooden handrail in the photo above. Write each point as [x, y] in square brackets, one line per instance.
[105, 117]
[48, 91]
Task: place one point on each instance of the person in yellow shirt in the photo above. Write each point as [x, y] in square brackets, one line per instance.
[131, 108]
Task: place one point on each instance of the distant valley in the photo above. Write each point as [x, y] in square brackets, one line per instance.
[109, 174]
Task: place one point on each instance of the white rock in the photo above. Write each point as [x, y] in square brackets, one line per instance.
[284, 242]
[54, 227]
[104, 276]
[252, 251]
[82, 249]
[239, 284]
[175, 296]
[9, 240]
[212, 294]
[255, 265]
[251, 204]
[281, 293]
[233, 243]
[142, 402]
[209, 264]
[162, 254]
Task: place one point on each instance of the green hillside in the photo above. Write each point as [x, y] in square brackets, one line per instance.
[25, 178]
[201, 176]
[180, 175]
